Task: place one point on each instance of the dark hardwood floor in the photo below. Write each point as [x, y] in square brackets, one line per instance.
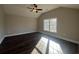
[24, 44]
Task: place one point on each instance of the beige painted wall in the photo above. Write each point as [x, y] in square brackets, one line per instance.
[19, 25]
[1, 24]
[78, 27]
[67, 22]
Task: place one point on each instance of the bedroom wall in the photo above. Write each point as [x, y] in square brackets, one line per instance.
[1, 24]
[19, 25]
[67, 23]
[78, 26]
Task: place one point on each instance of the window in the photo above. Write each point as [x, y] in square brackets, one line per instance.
[46, 25]
[53, 25]
[50, 25]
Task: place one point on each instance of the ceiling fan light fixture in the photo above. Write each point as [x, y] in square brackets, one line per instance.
[35, 8]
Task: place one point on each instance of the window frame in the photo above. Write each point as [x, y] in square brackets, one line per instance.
[49, 26]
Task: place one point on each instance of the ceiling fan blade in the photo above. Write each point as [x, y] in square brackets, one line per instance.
[35, 5]
[29, 8]
[39, 9]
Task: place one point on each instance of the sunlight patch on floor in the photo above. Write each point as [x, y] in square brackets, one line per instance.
[53, 47]
[34, 51]
[42, 44]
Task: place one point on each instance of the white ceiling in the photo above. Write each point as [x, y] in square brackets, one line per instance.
[21, 9]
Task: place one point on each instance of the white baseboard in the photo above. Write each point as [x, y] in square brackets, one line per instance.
[64, 38]
[17, 34]
[13, 35]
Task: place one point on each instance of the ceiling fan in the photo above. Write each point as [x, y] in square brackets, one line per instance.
[35, 8]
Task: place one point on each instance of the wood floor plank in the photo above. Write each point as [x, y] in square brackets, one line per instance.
[24, 44]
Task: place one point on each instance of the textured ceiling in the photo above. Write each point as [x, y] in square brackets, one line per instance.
[21, 9]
